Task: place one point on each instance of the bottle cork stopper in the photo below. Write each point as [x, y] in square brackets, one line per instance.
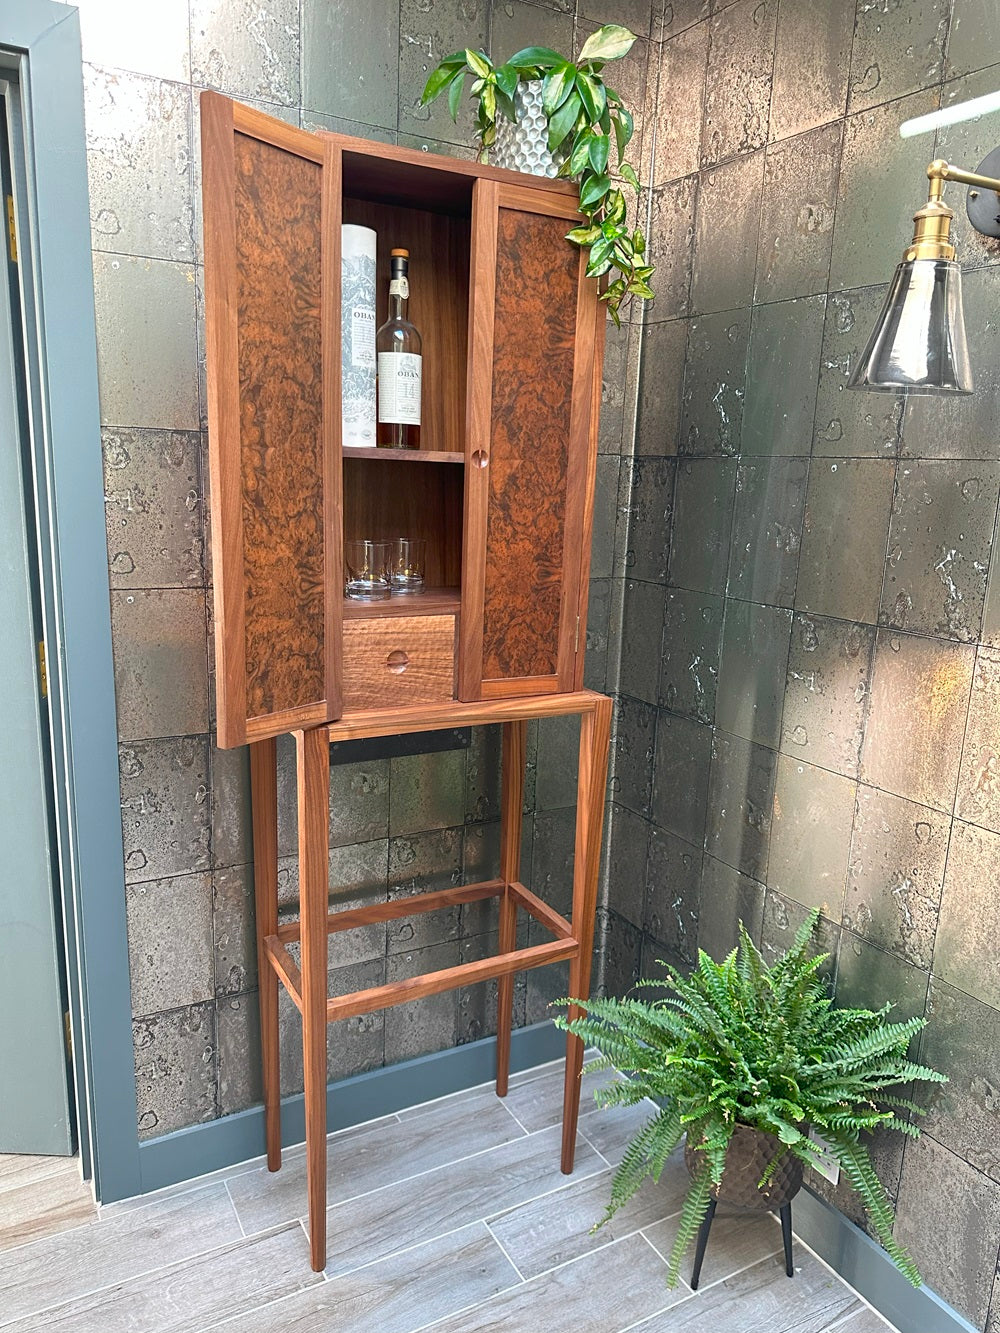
[404, 254]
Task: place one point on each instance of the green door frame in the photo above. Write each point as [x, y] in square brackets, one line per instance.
[40, 50]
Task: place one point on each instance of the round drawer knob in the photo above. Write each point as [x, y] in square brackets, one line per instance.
[480, 458]
[397, 661]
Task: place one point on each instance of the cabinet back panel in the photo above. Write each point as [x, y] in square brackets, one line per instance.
[278, 244]
[439, 305]
[386, 499]
[537, 275]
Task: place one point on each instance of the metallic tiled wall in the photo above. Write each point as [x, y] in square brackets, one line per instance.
[395, 824]
[810, 665]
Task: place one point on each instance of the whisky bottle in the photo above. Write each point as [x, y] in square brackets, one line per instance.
[397, 344]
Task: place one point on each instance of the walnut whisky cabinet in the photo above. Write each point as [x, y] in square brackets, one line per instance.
[501, 489]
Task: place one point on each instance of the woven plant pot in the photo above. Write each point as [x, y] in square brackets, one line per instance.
[522, 145]
[749, 1153]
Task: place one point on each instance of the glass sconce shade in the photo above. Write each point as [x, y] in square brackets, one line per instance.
[918, 343]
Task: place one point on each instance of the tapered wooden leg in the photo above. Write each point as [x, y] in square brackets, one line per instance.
[264, 804]
[313, 770]
[515, 749]
[595, 737]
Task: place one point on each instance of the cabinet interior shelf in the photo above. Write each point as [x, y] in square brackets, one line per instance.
[402, 455]
[430, 602]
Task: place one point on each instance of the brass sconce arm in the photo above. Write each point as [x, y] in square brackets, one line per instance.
[931, 233]
[940, 171]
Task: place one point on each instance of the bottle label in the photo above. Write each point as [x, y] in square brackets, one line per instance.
[400, 287]
[363, 336]
[399, 388]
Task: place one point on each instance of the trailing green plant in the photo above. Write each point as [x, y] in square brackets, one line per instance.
[743, 1043]
[586, 116]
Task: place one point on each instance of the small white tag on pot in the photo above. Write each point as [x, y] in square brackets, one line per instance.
[827, 1165]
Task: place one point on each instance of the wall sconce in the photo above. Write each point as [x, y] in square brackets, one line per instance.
[918, 343]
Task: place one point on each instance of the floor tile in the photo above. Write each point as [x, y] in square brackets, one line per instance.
[539, 1104]
[612, 1130]
[191, 1295]
[735, 1243]
[40, 1196]
[398, 1294]
[380, 1157]
[582, 1297]
[378, 1224]
[114, 1253]
[551, 1231]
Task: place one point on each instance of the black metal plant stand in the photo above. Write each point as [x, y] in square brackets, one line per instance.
[785, 1212]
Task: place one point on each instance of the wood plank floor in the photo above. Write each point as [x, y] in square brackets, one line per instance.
[451, 1217]
[40, 1196]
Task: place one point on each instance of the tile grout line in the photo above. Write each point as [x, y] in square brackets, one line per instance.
[236, 1211]
[504, 1249]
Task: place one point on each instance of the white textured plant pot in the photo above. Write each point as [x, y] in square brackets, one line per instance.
[523, 145]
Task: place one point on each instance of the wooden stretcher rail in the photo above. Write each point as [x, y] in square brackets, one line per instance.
[286, 968]
[413, 905]
[438, 717]
[542, 912]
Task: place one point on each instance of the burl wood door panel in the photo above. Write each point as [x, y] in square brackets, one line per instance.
[529, 489]
[271, 253]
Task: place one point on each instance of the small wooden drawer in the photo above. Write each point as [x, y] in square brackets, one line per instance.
[398, 660]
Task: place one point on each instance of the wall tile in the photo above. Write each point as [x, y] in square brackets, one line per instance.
[829, 669]
[482, 775]
[232, 841]
[614, 375]
[155, 505]
[175, 1069]
[940, 535]
[811, 62]
[963, 1037]
[852, 423]
[146, 348]
[557, 761]
[703, 515]
[714, 383]
[651, 498]
[552, 858]
[837, 576]
[671, 247]
[782, 368]
[170, 942]
[680, 789]
[426, 791]
[605, 515]
[797, 212]
[633, 753]
[517, 24]
[727, 898]
[160, 46]
[752, 668]
[430, 30]
[689, 657]
[938, 427]
[738, 86]
[359, 803]
[424, 862]
[139, 153]
[595, 671]
[680, 14]
[811, 835]
[238, 1024]
[352, 1045]
[868, 977]
[233, 930]
[673, 895]
[632, 14]
[970, 35]
[967, 951]
[627, 863]
[356, 79]
[897, 49]
[978, 794]
[897, 869]
[726, 232]
[911, 749]
[878, 172]
[317, 120]
[642, 633]
[739, 803]
[679, 111]
[968, 142]
[247, 49]
[767, 529]
[620, 955]
[161, 673]
[166, 817]
[957, 1260]
[658, 421]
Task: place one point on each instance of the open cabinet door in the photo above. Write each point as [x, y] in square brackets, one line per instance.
[272, 288]
[531, 446]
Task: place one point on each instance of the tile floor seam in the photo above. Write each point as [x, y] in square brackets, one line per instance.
[504, 1251]
[145, 1273]
[236, 1211]
[464, 1309]
[395, 1254]
[830, 1269]
[591, 1144]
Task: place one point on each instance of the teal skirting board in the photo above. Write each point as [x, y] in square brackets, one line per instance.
[193, 1152]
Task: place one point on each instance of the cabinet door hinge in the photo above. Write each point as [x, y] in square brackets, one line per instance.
[11, 229]
[43, 675]
[576, 641]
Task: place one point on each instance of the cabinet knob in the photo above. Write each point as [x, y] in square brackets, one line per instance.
[397, 661]
[481, 458]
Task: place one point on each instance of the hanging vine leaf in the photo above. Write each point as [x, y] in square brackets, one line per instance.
[563, 121]
[556, 87]
[455, 94]
[608, 43]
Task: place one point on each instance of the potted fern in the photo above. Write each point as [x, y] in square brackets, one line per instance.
[745, 1059]
[579, 119]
